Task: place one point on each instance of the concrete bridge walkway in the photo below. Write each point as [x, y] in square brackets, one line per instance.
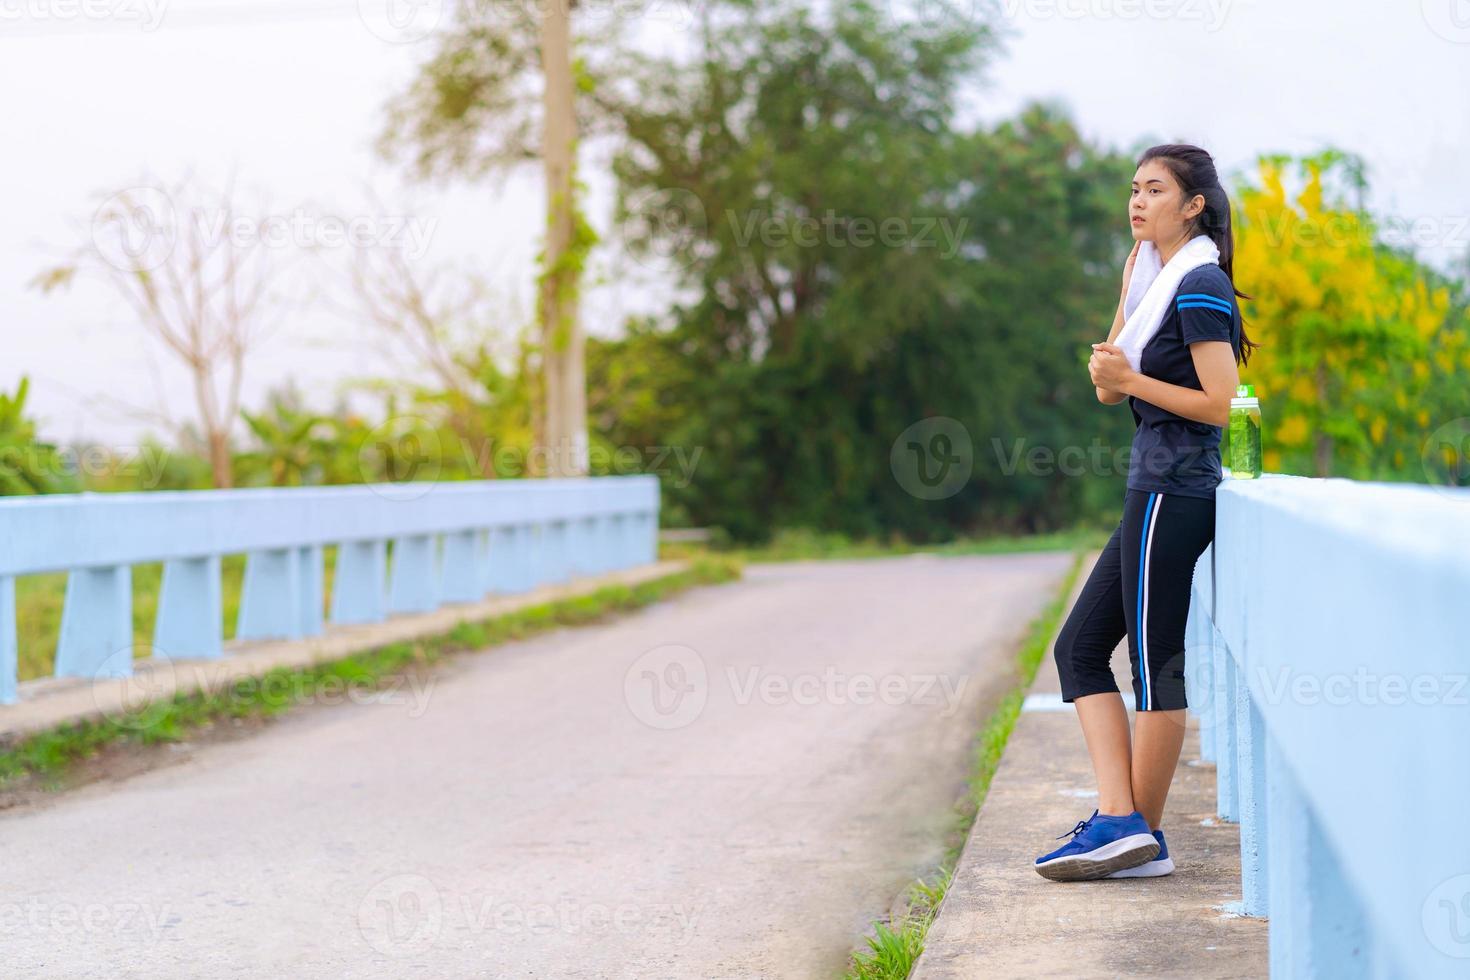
[729, 784]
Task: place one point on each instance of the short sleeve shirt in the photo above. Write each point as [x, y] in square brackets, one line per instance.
[1171, 453]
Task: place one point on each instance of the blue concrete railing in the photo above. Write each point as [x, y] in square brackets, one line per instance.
[502, 536]
[1330, 667]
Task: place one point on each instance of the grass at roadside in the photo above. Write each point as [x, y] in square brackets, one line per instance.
[895, 946]
[48, 755]
[799, 544]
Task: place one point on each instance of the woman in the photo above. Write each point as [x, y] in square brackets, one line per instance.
[1178, 382]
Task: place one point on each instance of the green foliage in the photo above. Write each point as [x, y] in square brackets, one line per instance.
[801, 362]
[28, 465]
[1365, 350]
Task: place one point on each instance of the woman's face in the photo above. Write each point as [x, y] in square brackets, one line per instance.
[1157, 211]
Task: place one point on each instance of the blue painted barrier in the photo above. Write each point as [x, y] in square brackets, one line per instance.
[451, 542]
[1330, 667]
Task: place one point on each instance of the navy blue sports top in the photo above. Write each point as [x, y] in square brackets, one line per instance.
[1171, 453]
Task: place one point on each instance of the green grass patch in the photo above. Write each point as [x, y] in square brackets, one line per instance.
[894, 947]
[802, 544]
[49, 755]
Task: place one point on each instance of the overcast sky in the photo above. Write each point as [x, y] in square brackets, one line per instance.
[289, 95]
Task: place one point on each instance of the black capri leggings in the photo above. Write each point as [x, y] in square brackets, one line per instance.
[1143, 576]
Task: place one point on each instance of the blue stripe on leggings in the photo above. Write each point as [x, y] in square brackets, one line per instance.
[1138, 617]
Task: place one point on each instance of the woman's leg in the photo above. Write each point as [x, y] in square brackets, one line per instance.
[1083, 652]
[1105, 728]
[1160, 549]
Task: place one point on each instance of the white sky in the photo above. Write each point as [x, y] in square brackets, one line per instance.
[289, 94]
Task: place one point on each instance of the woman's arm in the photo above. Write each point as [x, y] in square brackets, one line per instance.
[1214, 363]
[1104, 395]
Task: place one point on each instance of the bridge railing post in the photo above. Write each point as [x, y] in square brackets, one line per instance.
[97, 624]
[190, 619]
[9, 642]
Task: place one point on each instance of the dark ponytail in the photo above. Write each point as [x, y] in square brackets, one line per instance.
[1194, 170]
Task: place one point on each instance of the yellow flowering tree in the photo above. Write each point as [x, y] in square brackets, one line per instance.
[1362, 346]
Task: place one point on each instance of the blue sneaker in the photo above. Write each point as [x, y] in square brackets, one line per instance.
[1100, 845]
[1162, 864]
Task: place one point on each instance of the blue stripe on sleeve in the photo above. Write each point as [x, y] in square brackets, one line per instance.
[1193, 300]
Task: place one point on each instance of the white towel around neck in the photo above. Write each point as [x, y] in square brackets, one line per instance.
[1152, 287]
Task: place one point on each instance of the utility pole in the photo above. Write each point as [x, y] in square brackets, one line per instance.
[562, 341]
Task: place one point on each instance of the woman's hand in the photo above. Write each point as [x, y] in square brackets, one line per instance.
[1109, 367]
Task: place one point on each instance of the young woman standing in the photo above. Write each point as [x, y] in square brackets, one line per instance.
[1178, 374]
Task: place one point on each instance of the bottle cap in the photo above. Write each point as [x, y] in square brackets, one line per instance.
[1245, 391]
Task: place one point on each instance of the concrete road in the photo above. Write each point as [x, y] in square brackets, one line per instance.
[733, 783]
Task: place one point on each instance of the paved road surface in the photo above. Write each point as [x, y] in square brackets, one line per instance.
[707, 788]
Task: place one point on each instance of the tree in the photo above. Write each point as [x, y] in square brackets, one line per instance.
[1356, 335]
[468, 113]
[809, 346]
[178, 259]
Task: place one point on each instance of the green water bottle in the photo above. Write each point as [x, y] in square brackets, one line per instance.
[1245, 434]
